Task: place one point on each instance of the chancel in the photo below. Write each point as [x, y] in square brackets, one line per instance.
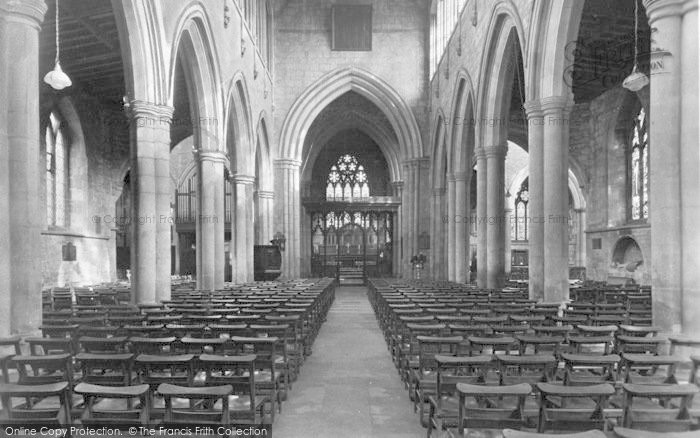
[350, 218]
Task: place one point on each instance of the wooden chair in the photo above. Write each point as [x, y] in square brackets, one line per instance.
[624, 432]
[444, 408]
[559, 414]
[267, 378]
[154, 346]
[526, 369]
[106, 369]
[31, 411]
[44, 346]
[586, 369]
[423, 380]
[214, 412]
[38, 370]
[248, 406]
[489, 407]
[12, 341]
[96, 397]
[641, 368]
[510, 433]
[593, 336]
[656, 413]
[113, 345]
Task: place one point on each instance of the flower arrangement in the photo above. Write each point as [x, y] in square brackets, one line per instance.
[418, 260]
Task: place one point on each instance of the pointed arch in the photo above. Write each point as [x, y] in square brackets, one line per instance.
[440, 154]
[336, 83]
[262, 154]
[553, 35]
[462, 124]
[193, 46]
[240, 136]
[505, 35]
[142, 43]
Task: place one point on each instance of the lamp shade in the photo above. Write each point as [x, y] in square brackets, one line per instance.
[57, 79]
[635, 81]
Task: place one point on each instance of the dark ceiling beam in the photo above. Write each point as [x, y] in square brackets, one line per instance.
[85, 22]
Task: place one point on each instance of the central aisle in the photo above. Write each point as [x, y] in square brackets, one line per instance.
[349, 386]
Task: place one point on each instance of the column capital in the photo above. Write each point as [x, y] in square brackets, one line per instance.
[533, 108]
[461, 176]
[397, 184]
[287, 163]
[266, 194]
[28, 11]
[658, 9]
[139, 109]
[479, 153]
[417, 162]
[242, 179]
[553, 104]
[212, 156]
[496, 151]
[450, 177]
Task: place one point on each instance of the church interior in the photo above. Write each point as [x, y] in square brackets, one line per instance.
[350, 218]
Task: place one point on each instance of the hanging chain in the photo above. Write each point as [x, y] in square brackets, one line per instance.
[58, 47]
[636, 31]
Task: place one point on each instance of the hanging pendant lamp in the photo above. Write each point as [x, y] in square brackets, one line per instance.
[56, 78]
[636, 80]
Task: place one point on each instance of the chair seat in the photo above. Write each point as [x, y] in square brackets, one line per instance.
[603, 389]
[591, 359]
[164, 359]
[661, 390]
[16, 390]
[111, 391]
[623, 432]
[510, 433]
[167, 389]
[649, 359]
[241, 402]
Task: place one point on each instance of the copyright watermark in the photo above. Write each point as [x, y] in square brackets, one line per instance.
[493, 220]
[151, 219]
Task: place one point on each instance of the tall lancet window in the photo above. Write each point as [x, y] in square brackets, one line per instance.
[639, 168]
[519, 229]
[57, 180]
[347, 180]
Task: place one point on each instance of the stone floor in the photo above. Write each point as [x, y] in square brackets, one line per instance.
[349, 386]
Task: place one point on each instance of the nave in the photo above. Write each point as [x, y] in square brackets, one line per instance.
[349, 386]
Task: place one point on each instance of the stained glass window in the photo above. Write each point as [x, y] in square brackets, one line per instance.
[347, 180]
[639, 168]
[56, 173]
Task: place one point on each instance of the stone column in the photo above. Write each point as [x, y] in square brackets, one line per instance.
[461, 219]
[438, 239]
[397, 248]
[690, 173]
[495, 158]
[250, 232]
[265, 199]
[556, 197]
[164, 224]
[242, 237]
[211, 181]
[535, 131]
[481, 217]
[150, 208]
[288, 213]
[220, 230]
[451, 227]
[508, 213]
[665, 160]
[21, 215]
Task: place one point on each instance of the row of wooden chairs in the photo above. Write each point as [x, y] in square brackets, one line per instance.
[420, 344]
[189, 365]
